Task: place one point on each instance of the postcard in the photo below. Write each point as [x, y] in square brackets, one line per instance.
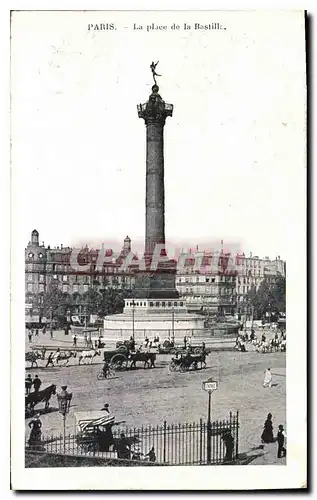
[158, 300]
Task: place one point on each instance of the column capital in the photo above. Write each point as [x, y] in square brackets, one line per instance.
[155, 110]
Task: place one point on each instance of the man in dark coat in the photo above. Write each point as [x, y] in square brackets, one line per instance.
[28, 384]
[281, 450]
[37, 383]
[123, 448]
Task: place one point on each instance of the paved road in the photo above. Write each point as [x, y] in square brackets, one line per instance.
[147, 397]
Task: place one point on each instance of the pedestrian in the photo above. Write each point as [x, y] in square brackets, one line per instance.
[36, 433]
[280, 438]
[229, 443]
[50, 360]
[51, 332]
[267, 434]
[37, 332]
[96, 344]
[123, 447]
[263, 338]
[267, 382]
[185, 341]
[132, 344]
[105, 408]
[30, 336]
[75, 340]
[28, 384]
[37, 383]
[44, 330]
[151, 455]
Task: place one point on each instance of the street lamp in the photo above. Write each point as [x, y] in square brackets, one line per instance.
[133, 311]
[173, 328]
[210, 386]
[64, 398]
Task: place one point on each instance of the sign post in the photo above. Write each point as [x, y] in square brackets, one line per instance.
[210, 386]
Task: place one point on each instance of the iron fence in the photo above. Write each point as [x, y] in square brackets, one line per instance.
[175, 444]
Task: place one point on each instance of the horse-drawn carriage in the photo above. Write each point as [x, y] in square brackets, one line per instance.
[123, 358]
[189, 361]
[95, 434]
[170, 348]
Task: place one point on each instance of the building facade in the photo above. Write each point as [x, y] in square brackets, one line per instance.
[252, 271]
[217, 285]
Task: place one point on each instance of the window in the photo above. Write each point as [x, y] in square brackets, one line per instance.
[169, 304]
[29, 267]
[30, 287]
[41, 277]
[163, 304]
[213, 280]
[85, 288]
[65, 288]
[151, 304]
[157, 304]
[175, 304]
[207, 280]
[30, 278]
[75, 287]
[41, 288]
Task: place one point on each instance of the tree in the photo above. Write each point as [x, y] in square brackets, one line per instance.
[55, 305]
[268, 299]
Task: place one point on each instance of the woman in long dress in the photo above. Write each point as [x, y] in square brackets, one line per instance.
[36, 433]
[267, 382]
[267, 434]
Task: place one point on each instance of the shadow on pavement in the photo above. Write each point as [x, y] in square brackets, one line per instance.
[40, 411]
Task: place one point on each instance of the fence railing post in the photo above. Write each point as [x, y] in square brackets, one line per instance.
[201, 441]
[237, 434]
[164, 441]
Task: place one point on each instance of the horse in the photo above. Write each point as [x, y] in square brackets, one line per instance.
[34, 398]
[148, 358]
[32, 357]
[65, 356]
[88, 355]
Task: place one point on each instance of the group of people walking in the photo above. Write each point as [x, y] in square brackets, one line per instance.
[268, 436]
[36, 332]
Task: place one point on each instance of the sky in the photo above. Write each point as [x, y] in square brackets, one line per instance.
[234, 148]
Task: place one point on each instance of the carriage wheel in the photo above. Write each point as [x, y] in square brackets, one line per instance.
[118, 362]
[183, 368]
[172, 366]
[122, 348]
[100, 376]
[173, 351]
[197, 350]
